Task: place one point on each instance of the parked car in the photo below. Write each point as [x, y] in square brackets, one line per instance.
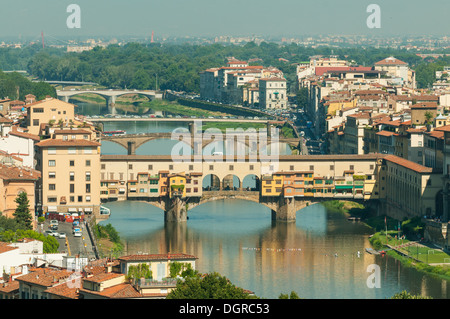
[52, 233]
[77, 234]
[54, 227]
[54, 222]
[62, 235]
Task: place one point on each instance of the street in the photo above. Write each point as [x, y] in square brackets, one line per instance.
[71, 245]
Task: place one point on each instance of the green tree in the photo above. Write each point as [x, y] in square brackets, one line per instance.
[209, 286]
[406, 295]
[22, 212]
[293, 295]
[139, 271]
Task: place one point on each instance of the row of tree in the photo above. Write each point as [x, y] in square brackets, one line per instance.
[15, 86]
[177, 66]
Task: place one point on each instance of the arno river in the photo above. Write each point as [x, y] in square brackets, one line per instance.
[317, 256]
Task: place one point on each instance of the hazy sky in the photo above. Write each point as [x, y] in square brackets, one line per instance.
[225, 17]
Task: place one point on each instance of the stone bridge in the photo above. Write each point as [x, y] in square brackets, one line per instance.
[282, 208]
[197, 143]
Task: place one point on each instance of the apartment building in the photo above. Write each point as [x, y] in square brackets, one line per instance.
[70, 174]
[398, 70]
[48, 111]
[13, 181]
[272, 93]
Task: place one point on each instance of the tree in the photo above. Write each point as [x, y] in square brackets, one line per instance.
[209, 286]
[22, 212]
[293, 295]
[406, 295]
[139, 271]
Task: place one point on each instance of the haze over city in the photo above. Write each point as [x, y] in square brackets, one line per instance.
[27, 18]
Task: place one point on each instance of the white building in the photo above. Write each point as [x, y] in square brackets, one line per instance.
[272, 93]
[20, 144]
[26, 252]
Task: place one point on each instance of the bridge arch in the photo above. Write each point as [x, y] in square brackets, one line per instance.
[231, 182]
[211, 182]
[251, 182]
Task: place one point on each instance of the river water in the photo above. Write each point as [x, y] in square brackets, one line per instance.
[316, 256]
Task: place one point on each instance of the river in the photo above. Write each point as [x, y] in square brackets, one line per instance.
[316, 256]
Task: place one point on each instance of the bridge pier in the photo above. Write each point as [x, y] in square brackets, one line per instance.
[285, 211]
[131, 148]
[176, 210]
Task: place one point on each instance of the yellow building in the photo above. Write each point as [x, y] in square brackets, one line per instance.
[48, 111]
[70, 175]
[13, 181]
[271, 185]
[177, 185]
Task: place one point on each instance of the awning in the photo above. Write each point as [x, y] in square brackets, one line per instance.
[52, 209]
[72, 210]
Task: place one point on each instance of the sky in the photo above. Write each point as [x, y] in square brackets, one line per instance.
[27, 18]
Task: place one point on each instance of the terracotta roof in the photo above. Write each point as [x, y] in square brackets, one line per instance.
[4, 247]
[24, 134]
[157, 257]
[391, 61]
[8, 172]
[8, 287]
[324, 69]
[74, 131]
[408, 164]
[5, 120]
[64, 290]
[45, 277]
[445, 128]
[58, 142]
[386, 133]
[425, 105]
[124, 290]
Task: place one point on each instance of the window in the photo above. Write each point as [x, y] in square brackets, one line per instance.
[51, 187]
[51, 199]
[51, 175]
[88, 150]
[191, 167]
[251, 168]
[170, 167]
[38, 110]
[311, 167]
[52, 150]
[231, 167]
[80, 198]
[51, 163]
[88, 198]
[150, 167]
[291, 167]
[331, 167]
[103, 166]
[72, 176]
[35, 122]
[71, 163]
[88, 188]
[88, 176]
[72, 188]
[211, 167]
[72, 199]
[72, 150]
[88, 162]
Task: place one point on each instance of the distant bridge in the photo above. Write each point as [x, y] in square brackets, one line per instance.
[109, 95]
[133, 141]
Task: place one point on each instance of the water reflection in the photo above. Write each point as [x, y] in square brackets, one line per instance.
[316, 256]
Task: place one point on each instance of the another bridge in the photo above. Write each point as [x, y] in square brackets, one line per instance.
[109, 95]
[197, 143]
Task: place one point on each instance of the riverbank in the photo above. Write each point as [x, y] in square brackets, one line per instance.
[400, 241]
[134, 104]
